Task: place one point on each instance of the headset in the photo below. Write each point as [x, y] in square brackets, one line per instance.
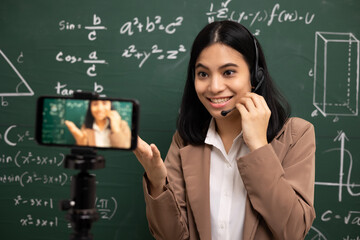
[258, 74]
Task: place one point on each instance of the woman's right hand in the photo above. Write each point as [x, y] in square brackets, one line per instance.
[79, 135]
[150, 158]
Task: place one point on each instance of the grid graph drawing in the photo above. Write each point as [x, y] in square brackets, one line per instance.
[336, 74]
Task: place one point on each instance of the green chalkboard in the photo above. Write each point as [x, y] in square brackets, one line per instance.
[140, 49]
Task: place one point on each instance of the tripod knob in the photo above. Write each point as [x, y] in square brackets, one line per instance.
[66, 205]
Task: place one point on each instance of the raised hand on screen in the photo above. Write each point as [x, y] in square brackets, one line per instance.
[79, 135]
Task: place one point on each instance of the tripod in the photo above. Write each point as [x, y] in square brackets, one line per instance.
[81, 208]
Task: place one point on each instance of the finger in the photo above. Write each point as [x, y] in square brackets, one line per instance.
[264, 103]
[155, 151]
[242, 109]
[142, 150]
[248, 103]
[73, 128]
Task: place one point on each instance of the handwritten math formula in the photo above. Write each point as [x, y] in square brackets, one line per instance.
[129, 28]
[276, 15]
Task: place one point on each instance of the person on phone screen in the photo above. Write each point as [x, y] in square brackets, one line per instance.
[103, 127]
[238, 167]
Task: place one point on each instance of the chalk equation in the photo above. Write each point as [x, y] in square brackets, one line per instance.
[344, 154]
[149, 25]
[12, 136]
[269, 17]
[34, 202]
[64, 90]
[29, 220]
[27, 178]
[65, 25]
[157, 52]
[352, 217]
[92, 59]
[106, 207]
[26, 158]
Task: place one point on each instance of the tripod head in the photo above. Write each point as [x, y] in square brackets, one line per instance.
[81, 207]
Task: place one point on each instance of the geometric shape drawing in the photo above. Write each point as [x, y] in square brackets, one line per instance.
[12, 83]
[336, 74]
[315, 234]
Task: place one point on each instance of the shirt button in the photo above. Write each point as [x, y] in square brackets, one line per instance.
[228, 165]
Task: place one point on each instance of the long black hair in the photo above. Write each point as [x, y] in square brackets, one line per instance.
[89, 118]
[193, 120]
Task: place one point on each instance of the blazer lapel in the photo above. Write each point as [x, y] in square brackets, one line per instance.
[196, 169]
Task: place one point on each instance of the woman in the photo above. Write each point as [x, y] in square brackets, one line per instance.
[247, 174]
[103, 127]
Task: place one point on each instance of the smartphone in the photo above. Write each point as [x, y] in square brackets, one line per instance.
[100, 123]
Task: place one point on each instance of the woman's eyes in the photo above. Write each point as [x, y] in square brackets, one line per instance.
[227, 73]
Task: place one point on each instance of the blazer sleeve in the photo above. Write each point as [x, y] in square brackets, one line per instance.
[279, 179]
[166, 214]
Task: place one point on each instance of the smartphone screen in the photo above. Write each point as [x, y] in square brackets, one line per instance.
[105, 123]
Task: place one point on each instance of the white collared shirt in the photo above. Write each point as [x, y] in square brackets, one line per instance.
[102, 137]
[227, 191]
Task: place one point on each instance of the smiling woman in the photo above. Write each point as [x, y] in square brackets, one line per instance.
[248, 174]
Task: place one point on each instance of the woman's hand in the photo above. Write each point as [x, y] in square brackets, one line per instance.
[79, 135]
[115, 120]
[120, 128]
[150, 158]
[255, 115]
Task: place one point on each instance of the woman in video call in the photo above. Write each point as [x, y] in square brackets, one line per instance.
[103, 127]
[238, 166]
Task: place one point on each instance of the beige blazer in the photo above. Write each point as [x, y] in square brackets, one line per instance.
[279, 179]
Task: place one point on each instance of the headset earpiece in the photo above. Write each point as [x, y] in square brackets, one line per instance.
[258, 71]
[260, 75]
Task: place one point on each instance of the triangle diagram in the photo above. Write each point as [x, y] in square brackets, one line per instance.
[11, 81]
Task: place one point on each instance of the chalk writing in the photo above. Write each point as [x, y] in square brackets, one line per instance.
[150, 25]
[352, 217]
[34, 202]
[159, 53]
[341, 137]
[314, 233]
[12, 136]
[63, 90]
[27, 158]
[92, 59]
[342, 98]
[30, 178]
[276, 14]
[96, 26]
[351, 238]
[13, 89]
[106, 207]
[38, 222]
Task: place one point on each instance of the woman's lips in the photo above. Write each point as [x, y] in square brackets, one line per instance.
[219, 102]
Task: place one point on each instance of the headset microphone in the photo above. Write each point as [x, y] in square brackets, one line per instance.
[258, 75]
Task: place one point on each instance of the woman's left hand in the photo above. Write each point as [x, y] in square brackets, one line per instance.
[115, 120]
[120, 128]
[255, 115]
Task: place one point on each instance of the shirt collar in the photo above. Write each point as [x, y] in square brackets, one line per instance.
[96, 127]
[213, 138]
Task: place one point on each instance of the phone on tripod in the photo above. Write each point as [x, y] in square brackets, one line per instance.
[100, 123]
